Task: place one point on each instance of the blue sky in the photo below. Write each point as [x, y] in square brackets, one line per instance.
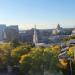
[43, 13]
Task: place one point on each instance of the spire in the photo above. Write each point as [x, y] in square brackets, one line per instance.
[58, 27]
[35, 39]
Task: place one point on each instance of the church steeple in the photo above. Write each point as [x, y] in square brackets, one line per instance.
[35, 39]
[58, 27]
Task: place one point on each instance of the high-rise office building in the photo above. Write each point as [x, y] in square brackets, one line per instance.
[2, 32]
[12, 32]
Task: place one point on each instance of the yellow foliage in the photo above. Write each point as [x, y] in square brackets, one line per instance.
[63, 63]
[23, 57]
[55, 49]
[70, 51]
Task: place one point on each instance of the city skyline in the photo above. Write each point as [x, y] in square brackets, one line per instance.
[43, 13]
[26, 27]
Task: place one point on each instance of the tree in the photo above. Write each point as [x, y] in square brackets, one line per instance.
[18, 52]
[5, 50]
[40, 60]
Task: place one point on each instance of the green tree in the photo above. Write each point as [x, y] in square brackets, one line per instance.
[41, 59]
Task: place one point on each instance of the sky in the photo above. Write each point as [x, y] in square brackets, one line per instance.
[43, 13]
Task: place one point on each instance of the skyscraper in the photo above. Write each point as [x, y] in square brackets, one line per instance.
[12, 32]
[2, 32]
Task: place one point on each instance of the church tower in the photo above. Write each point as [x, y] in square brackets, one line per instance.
[35, 39]
[58, 27]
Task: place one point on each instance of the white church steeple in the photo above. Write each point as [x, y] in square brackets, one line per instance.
[35, 39]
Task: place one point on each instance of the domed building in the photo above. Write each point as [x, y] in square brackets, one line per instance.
[73, 31]
[58, 30]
